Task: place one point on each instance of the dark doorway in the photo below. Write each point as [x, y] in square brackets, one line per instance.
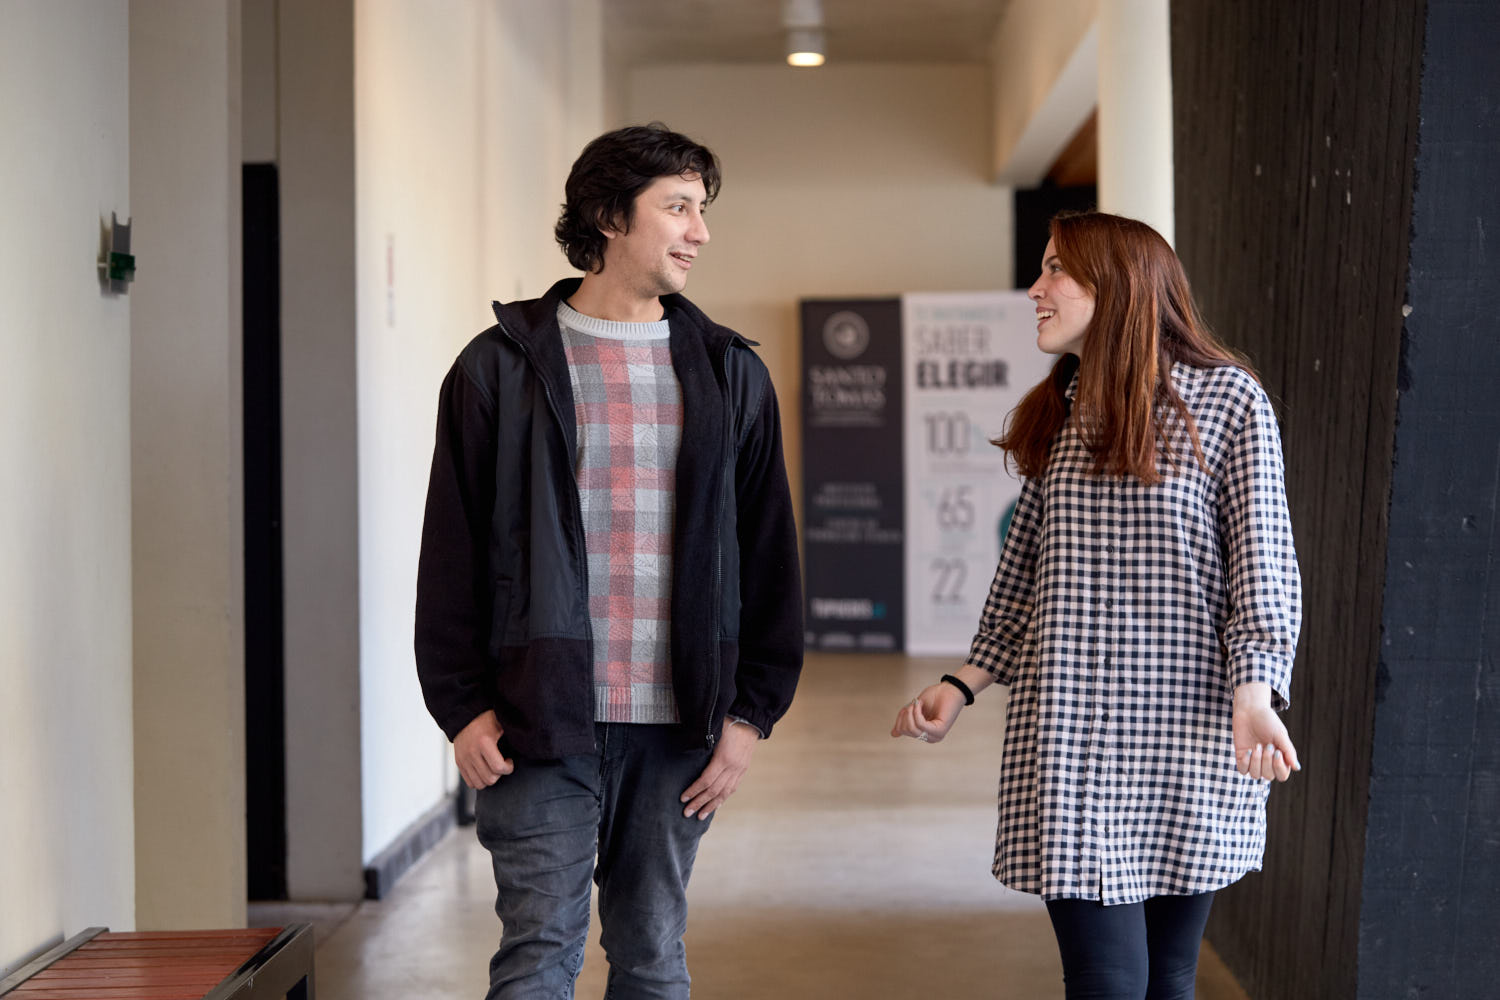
[1035, 207]
[265, 716]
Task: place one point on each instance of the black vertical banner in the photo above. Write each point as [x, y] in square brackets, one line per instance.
[852, 491]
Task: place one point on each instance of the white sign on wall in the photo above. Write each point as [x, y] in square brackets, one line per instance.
[968, 358]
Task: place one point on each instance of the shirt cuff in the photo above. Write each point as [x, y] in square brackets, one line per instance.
[745, 722]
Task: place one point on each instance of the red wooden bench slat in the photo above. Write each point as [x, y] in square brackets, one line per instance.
[159, 955]
[217, 943]
[25, 992]
[146, 964]
[266, 932]
[123, 977]
[180, 944]
[197, 987]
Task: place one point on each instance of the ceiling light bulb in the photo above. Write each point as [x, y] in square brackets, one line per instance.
[804, 47]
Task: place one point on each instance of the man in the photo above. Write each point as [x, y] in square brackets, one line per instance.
[608, 597]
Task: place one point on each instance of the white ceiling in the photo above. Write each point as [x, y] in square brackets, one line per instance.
[655, 32]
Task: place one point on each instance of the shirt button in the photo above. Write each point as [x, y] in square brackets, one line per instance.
[1109, 602]
[1105, 716]
[1109, 548]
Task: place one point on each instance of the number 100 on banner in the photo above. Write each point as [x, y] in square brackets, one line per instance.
[968, 358]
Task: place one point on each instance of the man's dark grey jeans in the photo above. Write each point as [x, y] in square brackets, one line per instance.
[544, 826]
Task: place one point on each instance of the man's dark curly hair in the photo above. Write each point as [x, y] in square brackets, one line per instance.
[608, 175]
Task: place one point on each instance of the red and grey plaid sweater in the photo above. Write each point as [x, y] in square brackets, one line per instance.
[628, 407]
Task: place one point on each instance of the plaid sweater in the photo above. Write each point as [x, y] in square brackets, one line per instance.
[628, 408]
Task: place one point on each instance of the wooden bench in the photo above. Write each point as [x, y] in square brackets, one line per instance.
[256, 964]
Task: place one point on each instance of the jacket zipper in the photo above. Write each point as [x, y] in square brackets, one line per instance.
[582, 561]
[719, 547]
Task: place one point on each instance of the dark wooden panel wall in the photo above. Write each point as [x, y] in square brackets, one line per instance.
[1430, 916]
[1295, 132]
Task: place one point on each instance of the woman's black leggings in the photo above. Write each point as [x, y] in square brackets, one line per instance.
[1130, 951]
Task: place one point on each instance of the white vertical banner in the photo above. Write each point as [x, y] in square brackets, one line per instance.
[967, 359]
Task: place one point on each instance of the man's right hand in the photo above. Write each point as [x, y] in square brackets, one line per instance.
[476, 750]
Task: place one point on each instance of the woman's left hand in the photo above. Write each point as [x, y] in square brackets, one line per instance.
[1262, 747]
[929, 715]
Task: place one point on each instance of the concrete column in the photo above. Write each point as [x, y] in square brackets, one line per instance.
[320, 445]
[1135, 112]
[186, 464]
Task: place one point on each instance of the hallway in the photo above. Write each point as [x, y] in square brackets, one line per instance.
[847, 865]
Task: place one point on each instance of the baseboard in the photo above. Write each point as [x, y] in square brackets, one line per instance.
[463, 805]
[416, 840]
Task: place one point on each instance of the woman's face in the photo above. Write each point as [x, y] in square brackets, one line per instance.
[1064, 308]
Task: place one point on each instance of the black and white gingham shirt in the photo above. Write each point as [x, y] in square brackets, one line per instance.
[1123, 616]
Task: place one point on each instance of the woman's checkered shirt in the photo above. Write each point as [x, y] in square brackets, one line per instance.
[1123, 616]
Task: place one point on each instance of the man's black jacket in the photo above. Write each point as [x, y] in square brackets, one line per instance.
[502, 616]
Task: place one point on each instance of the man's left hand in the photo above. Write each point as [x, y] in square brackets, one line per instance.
[722, 776]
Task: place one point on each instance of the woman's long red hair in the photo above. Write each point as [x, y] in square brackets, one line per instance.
[1144, 321]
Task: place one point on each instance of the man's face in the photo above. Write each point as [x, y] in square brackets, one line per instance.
[666, 232]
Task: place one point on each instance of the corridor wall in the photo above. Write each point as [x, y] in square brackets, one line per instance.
[67, 823]
[417, 246]
[467, 119]
[420, 153]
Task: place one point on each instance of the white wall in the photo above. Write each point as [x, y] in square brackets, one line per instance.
[187, 462]
[468, 117]
[67, 836]
[840, 181]
[258, 75]
[543, 101]
[417, 99]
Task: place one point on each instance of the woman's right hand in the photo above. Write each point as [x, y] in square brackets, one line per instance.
[1262, 748]
[929, 715]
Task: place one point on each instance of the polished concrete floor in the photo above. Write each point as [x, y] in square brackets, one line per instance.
[848, 865]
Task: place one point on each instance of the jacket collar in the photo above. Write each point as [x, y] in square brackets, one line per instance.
[533, 322]
[698, 347]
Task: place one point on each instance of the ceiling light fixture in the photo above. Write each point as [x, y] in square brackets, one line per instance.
[803, 21]
[804, 47]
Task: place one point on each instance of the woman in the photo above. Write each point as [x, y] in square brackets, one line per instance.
[1144, 614]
